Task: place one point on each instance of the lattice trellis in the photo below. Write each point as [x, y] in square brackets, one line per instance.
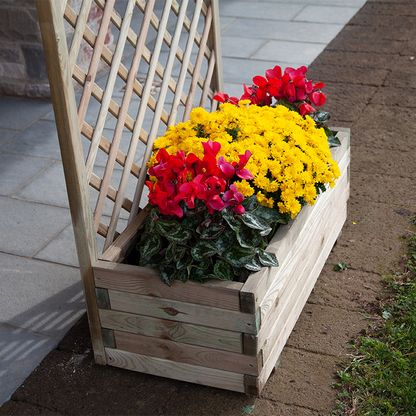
[166, 60]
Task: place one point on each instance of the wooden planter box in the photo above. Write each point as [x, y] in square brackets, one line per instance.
[222, 334]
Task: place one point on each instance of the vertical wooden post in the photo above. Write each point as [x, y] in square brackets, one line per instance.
[63, 97]
[215, 42]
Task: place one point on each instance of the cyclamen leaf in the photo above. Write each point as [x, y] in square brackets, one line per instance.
[239, 256]
[197, 275]
[182, 275]
[179, 253]
[179, 234]
[256, 223]
[253, 266]
[266, 258]
[248, 238]
[224, 270]
[151, 245]
[232, 221]
[170, 252]
[190, 222]
[212, 231]
[250, 203]
[166, 274]
[321, 116]
[222, 243]
[269, 215]
[163, 226]
[203, 249]
[185, 261]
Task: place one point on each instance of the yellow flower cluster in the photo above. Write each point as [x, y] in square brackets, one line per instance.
[289, 154]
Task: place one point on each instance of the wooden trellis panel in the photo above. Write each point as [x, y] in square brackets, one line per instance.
[166, 59]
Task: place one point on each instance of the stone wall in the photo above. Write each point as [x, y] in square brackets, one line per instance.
[22, 63]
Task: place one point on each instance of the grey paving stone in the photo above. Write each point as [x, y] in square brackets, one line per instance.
[349, 3]
[234, 89]
[240, 47]
[61, 249]
[260, 10]
[6, 134]
[299, 53]
[325, 14]
[47, 188]
[16, 114]
[226, 21]
[17, 170]
[292, 31]
[20, 353]
[43, 297]
[243, 70]
[27, 227]
[40, 140]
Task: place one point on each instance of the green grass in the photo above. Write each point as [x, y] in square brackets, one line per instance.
[380, 378]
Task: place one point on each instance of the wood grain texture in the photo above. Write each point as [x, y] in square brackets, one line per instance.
[178, 371]
[145, 281]
[187, 353]
[184, 312]
[171, 330]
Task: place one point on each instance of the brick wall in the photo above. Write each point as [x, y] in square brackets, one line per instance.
[22, 63]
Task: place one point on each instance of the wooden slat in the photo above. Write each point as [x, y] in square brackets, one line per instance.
[307, 237]
[258, 284]
[178, 371]
[107, 57]
[99, 207]
[95, 61]
[184, 312]
[105, 146]
[138, 125]
[185, 64]
[186, 353]
[293, 315]
[301, 262]
[198, 66]
[145, 281]
[175, 331]
[208, 80]
[159, 108]
[63, 98]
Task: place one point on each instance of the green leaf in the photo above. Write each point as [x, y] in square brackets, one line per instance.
[182, 275]
[190, 222]
[203, 249]
[269, 215]
[164, 226]
[340, 267]
[179, 234]
[321, 116]
[179, 253]
[223, 270]
[266, 258]
[248, 238]
[166, 274]
[250, 203]
[197, 275]
[151, 245]
[248, 409]
[237, 270]
[253, 266]
[170, 252]
[231, 221]
[185, 261]
[222, 243]
[256, 223]
[386, 315]
[239, 256]
[212, 231]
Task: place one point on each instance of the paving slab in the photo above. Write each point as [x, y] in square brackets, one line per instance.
[6, 134]
[326, 14]
[40, 140]
[17, 114]
[20, 351]
[240, 47]
[27, 227]
[42, 297]
[17, 170]
[294, 31]
[285, 51]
